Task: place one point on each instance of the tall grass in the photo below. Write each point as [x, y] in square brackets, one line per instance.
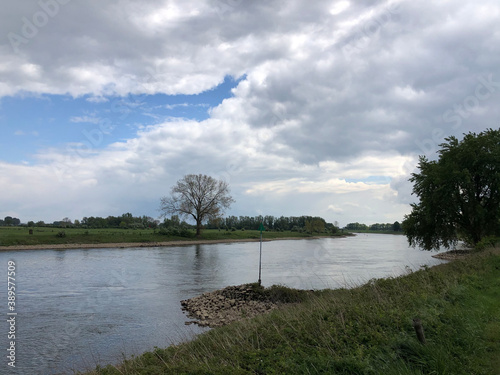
[365, 330]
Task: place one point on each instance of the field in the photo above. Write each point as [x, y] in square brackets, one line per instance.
[365, 330]
[11, 236]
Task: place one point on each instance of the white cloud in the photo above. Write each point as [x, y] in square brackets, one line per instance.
[184, 105]
[335, 209]
[86, 119]
[97, 99]
[21, 133]
[339, 7]
[300, 185]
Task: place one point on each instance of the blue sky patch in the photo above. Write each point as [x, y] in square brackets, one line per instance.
[31, 123]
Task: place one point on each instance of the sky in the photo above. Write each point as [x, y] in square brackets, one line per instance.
[305, 108]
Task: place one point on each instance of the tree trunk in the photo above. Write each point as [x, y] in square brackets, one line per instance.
[198, 228]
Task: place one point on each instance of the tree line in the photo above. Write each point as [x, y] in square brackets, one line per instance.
[377, 227]
[304, 223]
[9, 221]
[126, 221]
[283, 223]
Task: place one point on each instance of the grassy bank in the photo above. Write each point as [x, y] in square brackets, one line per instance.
[367, 330]
[15, 236]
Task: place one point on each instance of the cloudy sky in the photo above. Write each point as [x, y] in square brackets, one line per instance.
[305, 107]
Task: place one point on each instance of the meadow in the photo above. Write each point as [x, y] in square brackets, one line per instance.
[18, 236]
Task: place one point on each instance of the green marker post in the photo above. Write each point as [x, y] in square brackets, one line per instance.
[261, 228]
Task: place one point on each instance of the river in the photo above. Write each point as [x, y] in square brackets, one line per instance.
[80, 308]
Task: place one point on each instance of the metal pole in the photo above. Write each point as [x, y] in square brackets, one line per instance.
[260, 256]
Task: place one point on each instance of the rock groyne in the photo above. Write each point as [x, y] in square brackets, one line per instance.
[221, 307]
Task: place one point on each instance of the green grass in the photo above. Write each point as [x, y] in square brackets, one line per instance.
[46, 235]
[366, 330]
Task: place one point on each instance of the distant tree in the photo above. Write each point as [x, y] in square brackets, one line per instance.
[128, 218]
[268, 221]
[318, 225]
[66, 222]
[9, 220]
[459, 193]
[31, 223]
[174, 221]
[114, 221]
[309, 226]
[282, 223]
[198, 196]
[148, 222]
[396, 227]
[315, 224]
[356, 226]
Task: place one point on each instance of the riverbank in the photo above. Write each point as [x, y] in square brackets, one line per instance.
[365, 330]
[18, 238]
[454, 254]
[68, 246]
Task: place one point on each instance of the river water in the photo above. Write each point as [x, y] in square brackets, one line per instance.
[80, 308]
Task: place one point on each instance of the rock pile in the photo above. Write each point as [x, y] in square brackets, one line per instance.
[221, 307]
[453, 254]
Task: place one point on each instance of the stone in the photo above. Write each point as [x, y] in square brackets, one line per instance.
[221, 307]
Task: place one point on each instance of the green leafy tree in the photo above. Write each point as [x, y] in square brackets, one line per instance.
[198, 196]
[315, 224]
[396, 227]
[459, 193]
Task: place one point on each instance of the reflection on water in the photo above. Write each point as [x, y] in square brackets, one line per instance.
[80, 308]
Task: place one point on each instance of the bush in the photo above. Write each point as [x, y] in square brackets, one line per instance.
[486, 242]
[176, 232]
[61, 234]
[168, 232]
[186, 233]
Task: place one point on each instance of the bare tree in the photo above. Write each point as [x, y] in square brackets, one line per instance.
[198, 196]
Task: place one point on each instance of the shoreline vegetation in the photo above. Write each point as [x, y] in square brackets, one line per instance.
[71, 238]
[69, 246]
[369, 329]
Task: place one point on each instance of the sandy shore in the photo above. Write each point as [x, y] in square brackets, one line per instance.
[142, 244]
